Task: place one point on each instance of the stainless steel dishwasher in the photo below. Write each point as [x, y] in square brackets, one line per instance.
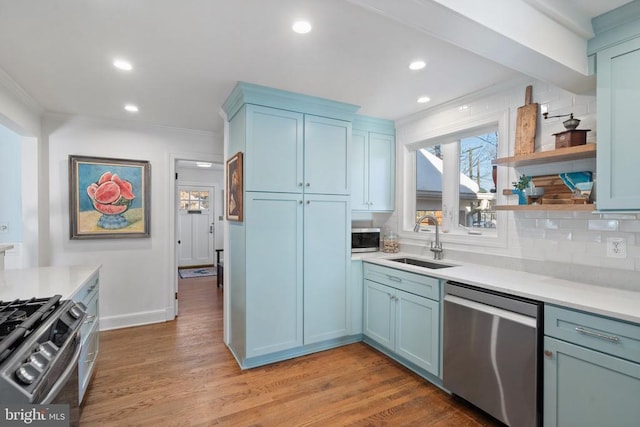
[491, 352]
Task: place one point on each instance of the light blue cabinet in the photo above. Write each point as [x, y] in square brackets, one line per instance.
[289, 259]
[273, 158]
[274, 273]
[293, 152]
[618, 75]
[373, 165]
[401, 316]
[326, 154]
[357, 297]
[327, 223]
[591, 370]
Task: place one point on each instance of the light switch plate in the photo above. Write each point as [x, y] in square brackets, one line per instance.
[616, 247]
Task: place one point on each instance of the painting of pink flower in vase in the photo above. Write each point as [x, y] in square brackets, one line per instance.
[109, 197]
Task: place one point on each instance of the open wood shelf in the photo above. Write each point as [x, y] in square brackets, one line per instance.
[549, 207]
[578, 152]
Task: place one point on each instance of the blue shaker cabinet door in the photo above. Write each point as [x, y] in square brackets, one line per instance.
[326, 154]
[273, 273]
[327, 222]
[382, 165]
[418, 330]
[379, 313]
[274, 151]
[359, 170]
[618, 148]
[583, 387]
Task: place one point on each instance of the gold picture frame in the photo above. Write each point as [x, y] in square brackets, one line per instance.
[109, 198]
[234, 188]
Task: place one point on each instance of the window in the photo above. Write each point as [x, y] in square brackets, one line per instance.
[459, 175]
[194, 200]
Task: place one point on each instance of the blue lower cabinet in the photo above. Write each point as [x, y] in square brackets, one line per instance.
[584, 388]
[406, 324]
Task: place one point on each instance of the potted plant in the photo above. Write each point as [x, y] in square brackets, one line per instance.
[520, 186]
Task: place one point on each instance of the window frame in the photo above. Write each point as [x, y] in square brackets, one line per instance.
[408, 144]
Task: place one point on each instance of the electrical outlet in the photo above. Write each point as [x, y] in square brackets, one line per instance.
[4, 227]
[616, 247]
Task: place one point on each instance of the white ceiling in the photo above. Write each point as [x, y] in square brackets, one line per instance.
[188, 55]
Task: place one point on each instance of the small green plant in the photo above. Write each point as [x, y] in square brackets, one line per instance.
[522, 182]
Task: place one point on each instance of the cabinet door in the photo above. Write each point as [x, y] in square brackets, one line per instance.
[381, 172]
[618, 148]
[359, 171]
[417, 330]
[379, 313]
[586, 388]
[357, 296]
[274, 150]
[326, 154]
[327, 223]
[273, 224]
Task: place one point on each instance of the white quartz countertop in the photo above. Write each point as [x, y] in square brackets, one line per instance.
[617, 303]
[44, 281]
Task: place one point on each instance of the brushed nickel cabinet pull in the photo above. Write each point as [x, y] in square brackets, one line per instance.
[594, 334]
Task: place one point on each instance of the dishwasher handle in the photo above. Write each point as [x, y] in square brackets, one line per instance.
[494, 311]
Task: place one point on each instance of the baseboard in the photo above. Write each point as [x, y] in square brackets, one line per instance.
[135, 319]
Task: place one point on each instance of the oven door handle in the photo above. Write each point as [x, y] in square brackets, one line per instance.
[62, 381]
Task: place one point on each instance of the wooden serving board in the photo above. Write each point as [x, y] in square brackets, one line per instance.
[555, 191]
[526, 122]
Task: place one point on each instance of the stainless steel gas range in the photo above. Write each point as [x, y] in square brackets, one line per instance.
[39, 352]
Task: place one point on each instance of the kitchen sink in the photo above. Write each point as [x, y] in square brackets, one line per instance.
[421, 263]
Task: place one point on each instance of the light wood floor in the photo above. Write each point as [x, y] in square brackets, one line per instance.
[180, 373]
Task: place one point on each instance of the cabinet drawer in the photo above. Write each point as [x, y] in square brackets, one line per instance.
[417, 284]
[92, 317]
[599, 333]
[85, 294]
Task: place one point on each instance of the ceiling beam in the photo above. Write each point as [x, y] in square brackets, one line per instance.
[512, 33]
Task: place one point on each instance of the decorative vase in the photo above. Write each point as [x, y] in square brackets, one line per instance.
[522, 198]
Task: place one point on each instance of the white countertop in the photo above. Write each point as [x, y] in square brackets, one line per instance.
[4, 248]
[44, 281]
[617, 303]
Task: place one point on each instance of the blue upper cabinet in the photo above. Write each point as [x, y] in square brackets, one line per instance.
[617, 60]
[274, 150]
[373, 165]
[294, 143]
[326, 154]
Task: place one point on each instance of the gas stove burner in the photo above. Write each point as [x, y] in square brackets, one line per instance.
[17, 315]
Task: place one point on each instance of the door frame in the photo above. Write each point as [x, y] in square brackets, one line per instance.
[171, 310]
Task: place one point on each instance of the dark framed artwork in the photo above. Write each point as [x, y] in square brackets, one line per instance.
[109, 198]
[234, 187]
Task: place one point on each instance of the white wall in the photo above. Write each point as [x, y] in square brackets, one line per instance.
[136, 276]
[570, 245]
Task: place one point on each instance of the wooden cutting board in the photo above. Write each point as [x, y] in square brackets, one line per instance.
[526, 122]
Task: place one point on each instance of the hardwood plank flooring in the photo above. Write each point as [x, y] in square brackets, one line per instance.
[180, 373]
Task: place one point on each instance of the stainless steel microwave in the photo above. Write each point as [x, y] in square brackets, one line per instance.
[365, 239]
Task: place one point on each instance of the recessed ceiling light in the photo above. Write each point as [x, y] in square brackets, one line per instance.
[131, 108]
[301, 27]
[121, 64]
[204, 164]
[423, 99]
[417, 65]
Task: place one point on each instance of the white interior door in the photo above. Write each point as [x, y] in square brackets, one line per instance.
[196, 225]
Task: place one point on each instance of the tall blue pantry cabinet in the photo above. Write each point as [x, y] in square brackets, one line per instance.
[289, 259]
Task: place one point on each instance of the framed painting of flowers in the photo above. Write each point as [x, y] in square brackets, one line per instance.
[109, 198]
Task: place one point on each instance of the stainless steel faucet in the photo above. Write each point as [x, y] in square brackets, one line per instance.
[436, 247]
